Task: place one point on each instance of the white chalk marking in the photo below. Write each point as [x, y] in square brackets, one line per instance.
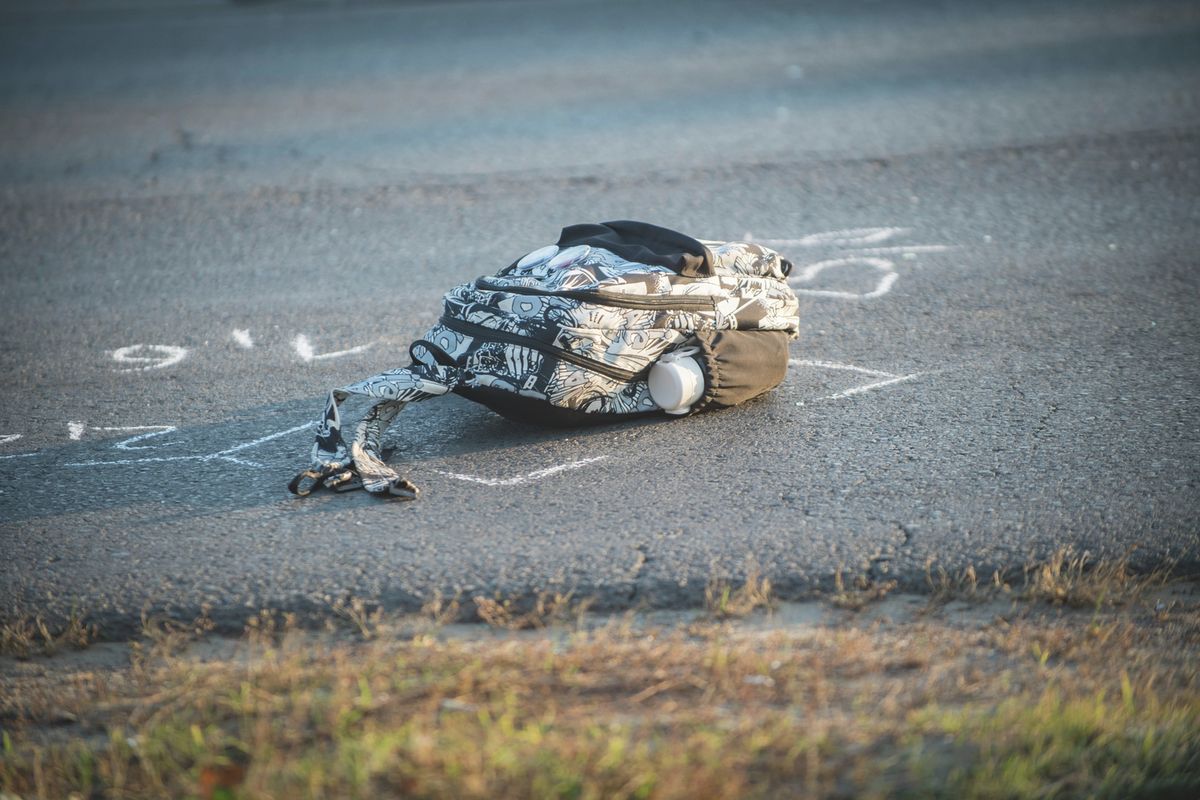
[303, 348]
[305, 351]
[5, 438]
[75, 431]
[889, 378]
[808, 362]
[848, 237]
[127, 444]
[242, 337]
[167, 355]
[222, 455]
[882, 287]
[870, 387]
[536, 475]
[267, 438]
[905, 249]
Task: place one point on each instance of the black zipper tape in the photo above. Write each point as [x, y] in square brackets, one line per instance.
[484, 332]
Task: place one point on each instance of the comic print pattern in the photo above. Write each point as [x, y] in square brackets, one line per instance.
[588, 351]
[746, 258]
[579, 267]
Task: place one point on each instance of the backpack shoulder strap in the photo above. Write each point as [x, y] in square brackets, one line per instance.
[361, 464]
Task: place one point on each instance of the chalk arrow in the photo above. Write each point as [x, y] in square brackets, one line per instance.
[305, 350]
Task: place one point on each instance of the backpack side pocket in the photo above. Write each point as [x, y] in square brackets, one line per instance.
[740, 365]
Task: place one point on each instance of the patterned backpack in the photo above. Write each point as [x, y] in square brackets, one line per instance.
[571, 333]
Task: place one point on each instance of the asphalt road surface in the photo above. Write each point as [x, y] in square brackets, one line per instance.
[211, 213]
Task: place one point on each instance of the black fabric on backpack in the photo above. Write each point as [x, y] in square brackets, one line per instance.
[644, 243]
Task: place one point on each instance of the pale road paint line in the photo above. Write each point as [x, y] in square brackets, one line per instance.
[5, 438]
[242, 337]
[223, 455]
[536, 475]
[870, 387]
[168, 355]
[808, 362]
[75, 430]
[886, 280]
[304, 349]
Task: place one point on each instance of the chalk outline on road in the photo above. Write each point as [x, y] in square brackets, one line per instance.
[886, 280]
[5, 438]
[863, 246]
[536, 475]
[77, 428]
[75, 431]
[888, 378]
[222, 455]
[171, 355]
[304, 349]
[860, 244]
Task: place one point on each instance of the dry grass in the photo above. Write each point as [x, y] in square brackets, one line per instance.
[30, 636]
[862, 592]
[366, 619]
[439, 611]
[515, 615]
[965, 586]
[1077, 580]
[722, 600]
[1067, 578]
[1049, 702]
[163, 637]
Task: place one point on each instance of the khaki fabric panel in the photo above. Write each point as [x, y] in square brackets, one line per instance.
[741, 365]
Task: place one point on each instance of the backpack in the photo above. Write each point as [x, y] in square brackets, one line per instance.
[571, 333]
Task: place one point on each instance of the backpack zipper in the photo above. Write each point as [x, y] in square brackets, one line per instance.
[484, 332]
[602, 299]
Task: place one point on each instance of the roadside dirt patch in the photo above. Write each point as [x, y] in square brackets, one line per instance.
[992, 697]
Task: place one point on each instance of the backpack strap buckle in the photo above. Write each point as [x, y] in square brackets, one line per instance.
[329, 477]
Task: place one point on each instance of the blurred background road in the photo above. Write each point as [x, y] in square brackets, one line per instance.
[212, 212]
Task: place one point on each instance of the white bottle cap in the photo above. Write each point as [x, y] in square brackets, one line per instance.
[569, 256]
[677, 381]
[538, 256]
